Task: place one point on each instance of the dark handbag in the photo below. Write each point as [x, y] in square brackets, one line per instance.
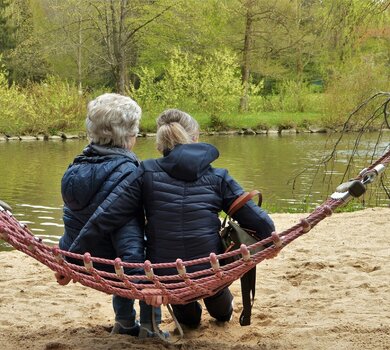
[232, 236]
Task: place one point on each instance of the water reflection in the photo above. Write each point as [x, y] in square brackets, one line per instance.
[31, 172]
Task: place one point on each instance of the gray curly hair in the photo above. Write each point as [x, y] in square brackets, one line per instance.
[112, 119]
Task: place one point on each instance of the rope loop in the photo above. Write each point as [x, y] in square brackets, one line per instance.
[277, 240]
[88, 262]
[148, 270]
[327, 210]
[56, 252]
[214, 262]
[306, 227]
[181, 269]
[119, 268]
[246, 254]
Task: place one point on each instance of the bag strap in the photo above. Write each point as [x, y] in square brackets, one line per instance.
[248, 287]
[243, 199]
[248, 280]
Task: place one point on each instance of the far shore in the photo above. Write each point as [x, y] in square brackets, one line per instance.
[243, 131]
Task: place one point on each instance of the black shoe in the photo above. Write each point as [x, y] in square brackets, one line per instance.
[120, 329]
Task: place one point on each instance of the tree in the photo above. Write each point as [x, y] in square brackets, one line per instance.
[266, 33]
[25, 60]
[116, 25]
[6, 29]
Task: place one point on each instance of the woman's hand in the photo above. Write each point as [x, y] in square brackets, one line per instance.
[155, 300]
[61, 279]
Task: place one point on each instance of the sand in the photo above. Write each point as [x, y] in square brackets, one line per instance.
[329, 289]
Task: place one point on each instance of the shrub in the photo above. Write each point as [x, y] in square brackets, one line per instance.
[14, 106]
[56, 106]
[356, 81]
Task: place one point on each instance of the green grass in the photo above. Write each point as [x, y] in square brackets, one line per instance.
[254, 120]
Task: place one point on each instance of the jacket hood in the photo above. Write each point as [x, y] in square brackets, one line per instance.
[188, 162]
[89, 171]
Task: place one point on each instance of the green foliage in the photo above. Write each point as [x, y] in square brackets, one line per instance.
[217, 123]
[47, 107]
[192, 55]
[219, 83]
[212, 83]
[351, 85]
[6, 28]
[292, 97]
[25, 62]
[14, 105]
[57, 106]
[148, 95]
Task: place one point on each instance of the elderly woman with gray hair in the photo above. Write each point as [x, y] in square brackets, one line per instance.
[182, 195]
[112, 125]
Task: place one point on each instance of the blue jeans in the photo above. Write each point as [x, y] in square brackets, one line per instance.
[125, 313]
[219, 306]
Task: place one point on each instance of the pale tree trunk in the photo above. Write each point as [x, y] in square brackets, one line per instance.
[79, 58]
[245, 74]
[299, 61]
[119, 45]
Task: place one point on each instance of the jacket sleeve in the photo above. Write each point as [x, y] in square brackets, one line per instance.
[128, 243]
[122, 205]
[250, 216]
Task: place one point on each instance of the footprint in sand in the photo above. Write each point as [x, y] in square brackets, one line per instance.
[363, 266]
[263, 319]
[55, 346]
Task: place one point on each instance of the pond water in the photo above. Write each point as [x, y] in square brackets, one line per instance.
[31, 172]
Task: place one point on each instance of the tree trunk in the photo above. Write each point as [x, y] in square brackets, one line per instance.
[122, 75]
[299, 61]
[245, 71]
[79, 59]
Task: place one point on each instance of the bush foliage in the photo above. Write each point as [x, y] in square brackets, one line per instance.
[47, 107]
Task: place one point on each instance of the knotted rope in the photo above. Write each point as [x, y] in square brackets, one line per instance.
[182, 287]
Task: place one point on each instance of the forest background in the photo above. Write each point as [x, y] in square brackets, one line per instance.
[230, 63]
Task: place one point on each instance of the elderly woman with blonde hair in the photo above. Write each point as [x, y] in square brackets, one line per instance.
[182, 195]
[112, 126]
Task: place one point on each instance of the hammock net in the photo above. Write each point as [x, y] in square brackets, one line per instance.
[182, 287]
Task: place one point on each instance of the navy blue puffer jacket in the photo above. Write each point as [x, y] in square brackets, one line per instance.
[182, 195]
[87, 182]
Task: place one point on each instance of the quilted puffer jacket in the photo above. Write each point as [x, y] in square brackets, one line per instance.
[182, 195]
[85, 185]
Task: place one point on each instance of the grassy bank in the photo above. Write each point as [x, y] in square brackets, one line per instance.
[55, 106]
[253, 120]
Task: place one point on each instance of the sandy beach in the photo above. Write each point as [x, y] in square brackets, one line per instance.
[329, 289]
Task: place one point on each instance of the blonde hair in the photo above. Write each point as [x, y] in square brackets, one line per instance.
[112, 119]
[175, 127]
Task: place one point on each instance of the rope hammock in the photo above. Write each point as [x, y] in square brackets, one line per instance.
[183, 287]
